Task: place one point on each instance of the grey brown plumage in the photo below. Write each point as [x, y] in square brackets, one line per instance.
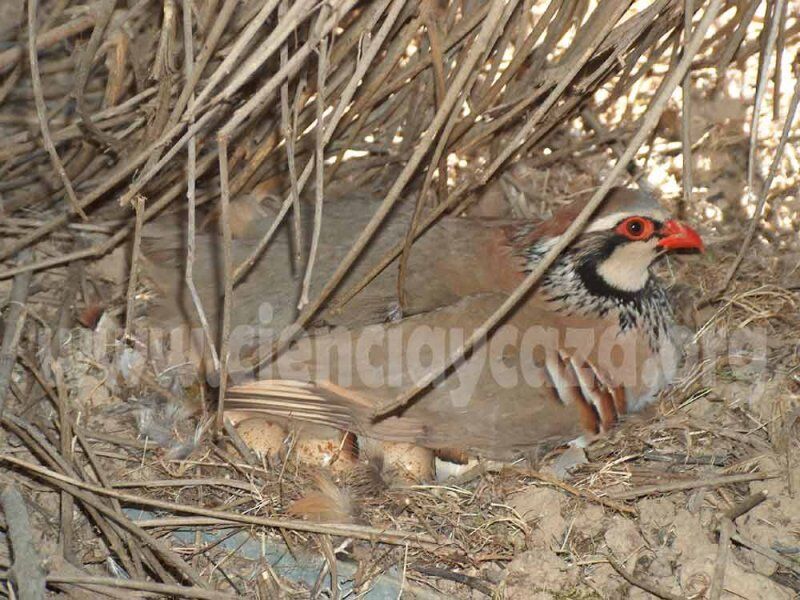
[598, 331]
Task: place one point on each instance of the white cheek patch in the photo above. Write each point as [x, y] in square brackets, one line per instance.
[627, 267]
[610, 221]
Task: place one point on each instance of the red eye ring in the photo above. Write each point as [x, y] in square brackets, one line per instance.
[636, 228]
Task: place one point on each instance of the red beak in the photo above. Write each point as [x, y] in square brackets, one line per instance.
[677, 236]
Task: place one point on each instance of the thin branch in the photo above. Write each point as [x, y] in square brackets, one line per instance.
[319, 161]
[363, 532]
[15, 323]
[162, 589]
[289, 132]
[48, 39]
[227, 274]
[640, 583]
[686, 113]
[692, 484]
[67, 505]
[26, 572]
[762, 198]
[41, 111]
[723, 552]
[191, 180]
[44, 451]
[133, 276]
[761, 85]
[240, 45]
[769, 553]
[102, 11]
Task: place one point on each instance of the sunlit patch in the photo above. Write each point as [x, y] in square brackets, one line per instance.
[712, 212]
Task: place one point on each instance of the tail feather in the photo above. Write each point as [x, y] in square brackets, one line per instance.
[297, 401]
[323, 403]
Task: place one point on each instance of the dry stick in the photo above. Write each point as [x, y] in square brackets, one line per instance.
[293, 64]
[191, 173]
[136, 551]
[227, 274]
[439, 91]
[746, 505]
[64, 317]
[192, 131]
[517, 63]
[20, 143]
[780, 43]
[367, 58]
[14, 324]
[103, 248]
[48, 39]
[692, 484]
[319, 157]
[166, 483]
[468, 580]
[571, 489]
[67, 505]
[773, 170]
[43, 449]
[649, 121]
[438, 153]
[410, 71]
[261, 97]
[482, 39]
[117, 542]
[163, 589]
[26, 572]
[299, 12]
[242, 42]
[244, 267]
[357, 531]
[288, 130]
[241, 447]
[346, 97]
[66, 569]
[183, 522]
[636, 582]
[41, 110]
[133, 276]
[365, 106]
[726, 56]
[604, 17]
[639, 175]
[10, 83]
[761, 86]
[769, 553]
[187, 93]
[330, 558]
[686, 116]
[103, 11]
[726, 529]
[161, 71]
[186, 98]
[122, 171]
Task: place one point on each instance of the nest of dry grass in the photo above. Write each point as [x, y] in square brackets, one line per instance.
[116, 115]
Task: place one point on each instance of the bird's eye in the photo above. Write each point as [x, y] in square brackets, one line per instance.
[636, 228]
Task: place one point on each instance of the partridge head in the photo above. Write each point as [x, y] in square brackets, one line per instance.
[592, 342]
